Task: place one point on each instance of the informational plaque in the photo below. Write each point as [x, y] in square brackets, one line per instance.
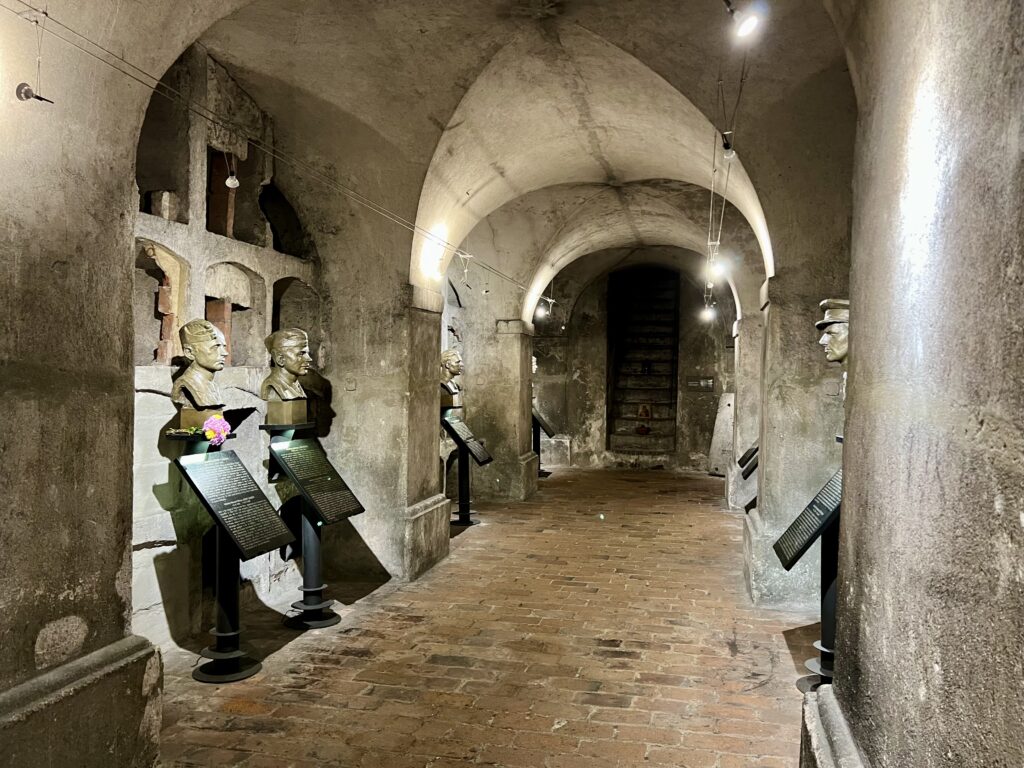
[747, 455]
[306, 464]
[460, 432]
[236, 502]
[812, 522]
[543, 423]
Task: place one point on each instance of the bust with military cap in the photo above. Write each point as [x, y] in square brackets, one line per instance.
[203, 345]
[836, 327]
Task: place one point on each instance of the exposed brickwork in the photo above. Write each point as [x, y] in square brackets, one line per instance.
[550, 638]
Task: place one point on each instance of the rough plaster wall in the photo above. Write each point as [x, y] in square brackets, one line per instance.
[931, 594]
[701, 353]
[66, 263]
[381, 356]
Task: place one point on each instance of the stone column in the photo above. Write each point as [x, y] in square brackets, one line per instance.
[801, 413]
[499, 409]
[748, 333]
[931, 579]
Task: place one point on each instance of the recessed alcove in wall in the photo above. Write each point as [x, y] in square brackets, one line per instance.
[157, 296]
[235, 212]
[286, 230]
[297, 305]
[235, 301]
[162, 155]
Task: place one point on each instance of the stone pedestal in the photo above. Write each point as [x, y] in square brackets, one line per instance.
[801, 413]
[749, 336]
[499, 411]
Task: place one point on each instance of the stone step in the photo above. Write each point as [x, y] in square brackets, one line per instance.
[662, 396]
[646, 367]
[642, 444]
[649, 341]
[647, 329]
[659, 427]
[630, 411]
[648, 315]
[643, 381]
[658, 354]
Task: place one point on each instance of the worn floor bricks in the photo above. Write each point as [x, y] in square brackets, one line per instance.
[602, 624]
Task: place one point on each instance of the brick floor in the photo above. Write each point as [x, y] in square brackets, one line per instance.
[603, 623]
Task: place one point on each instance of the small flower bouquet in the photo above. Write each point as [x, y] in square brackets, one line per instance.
[216, 429]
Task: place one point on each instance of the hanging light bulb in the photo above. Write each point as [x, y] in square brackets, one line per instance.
[717, 269]
[231, 182]
[728, 153]
[542, 311]
[746, 21]
[707, 314]
[710, 285]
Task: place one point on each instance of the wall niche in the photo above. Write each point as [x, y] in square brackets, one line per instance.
[297, 305]
[157, 304]
[235, 301]
[162, 156]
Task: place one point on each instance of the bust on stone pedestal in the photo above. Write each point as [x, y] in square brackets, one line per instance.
[289, 356]
[196, 391]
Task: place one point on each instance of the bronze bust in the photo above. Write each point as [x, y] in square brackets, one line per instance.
[204, 347]
[451, 366]
[289, 353]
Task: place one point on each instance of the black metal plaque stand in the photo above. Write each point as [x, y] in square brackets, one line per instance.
[228, 663]
[468, 446]
[464, 511]
[824, 665]
[819, 520]
[538, 425]
[314, 610]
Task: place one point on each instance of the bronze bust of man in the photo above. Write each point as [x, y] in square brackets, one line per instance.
[289, 353]
[451, 366]
[836, 324]
[204, 347]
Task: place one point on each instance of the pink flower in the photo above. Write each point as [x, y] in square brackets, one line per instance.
[216, 429]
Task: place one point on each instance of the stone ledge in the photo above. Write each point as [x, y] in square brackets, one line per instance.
[426, 536]
[825, 737]
[108, 705]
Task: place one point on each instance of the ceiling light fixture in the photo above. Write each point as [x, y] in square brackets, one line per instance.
[746, 21]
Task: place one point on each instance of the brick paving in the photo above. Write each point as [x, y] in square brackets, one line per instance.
[601, 624]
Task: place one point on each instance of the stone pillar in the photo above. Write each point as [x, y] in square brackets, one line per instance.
[931, 581]
[801, 413]
[427, 511]
[499, 408]
[75, 687]
[749, 335]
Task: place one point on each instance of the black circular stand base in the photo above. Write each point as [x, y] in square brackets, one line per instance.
[465, 523]
[542, 473]
[227, 670]
[313, 619]
[824, 665]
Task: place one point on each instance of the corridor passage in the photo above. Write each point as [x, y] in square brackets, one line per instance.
[602, 623]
